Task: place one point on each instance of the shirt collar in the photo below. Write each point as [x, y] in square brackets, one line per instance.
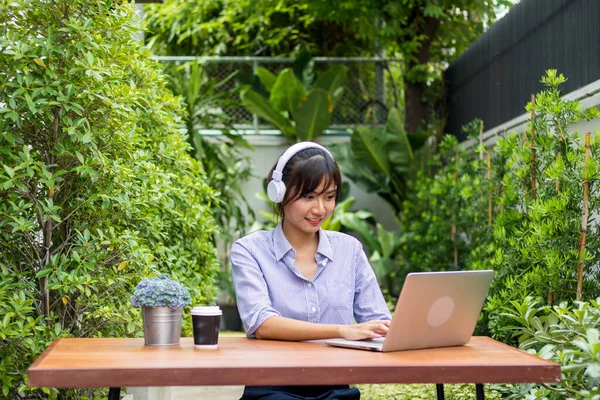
[325, 248]
[282, 246]
[280, 242]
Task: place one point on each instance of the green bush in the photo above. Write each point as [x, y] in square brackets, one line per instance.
[537, 247]
[224, 157]
[566, 334]
[97, 189]
[445, 218]
[527, 213]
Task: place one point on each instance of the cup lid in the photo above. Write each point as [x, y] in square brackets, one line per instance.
[206, 310]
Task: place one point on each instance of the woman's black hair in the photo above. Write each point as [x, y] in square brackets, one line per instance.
[304, 172]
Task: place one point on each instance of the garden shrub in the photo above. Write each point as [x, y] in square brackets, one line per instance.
[446, 214]
[566, 334]
[522, 210]
[536, 247]
[224, 157]
[97, 189]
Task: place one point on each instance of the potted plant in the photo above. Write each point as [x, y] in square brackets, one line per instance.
[161, 299]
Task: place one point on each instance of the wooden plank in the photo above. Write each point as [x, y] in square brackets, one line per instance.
[241, 361]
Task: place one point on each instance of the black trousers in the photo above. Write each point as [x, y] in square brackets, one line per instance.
[338, 392]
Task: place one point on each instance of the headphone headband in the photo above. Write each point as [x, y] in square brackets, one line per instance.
[291, 152]
[276, 188]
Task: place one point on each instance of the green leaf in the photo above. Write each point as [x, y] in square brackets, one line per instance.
[354, 223]
[332, 81]
[266, 77]
[368, 148]
[57, 328]
[401, 154]
[9, 170]
[6, 319]
[304, 67]
[314, 115]
[258, 105]
[435, 11]
[44, 272]
[287, 93]
[9, 138]
[386, 240]
[239, 140]
[13, 116]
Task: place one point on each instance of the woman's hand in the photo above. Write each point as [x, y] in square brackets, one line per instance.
[366, 330]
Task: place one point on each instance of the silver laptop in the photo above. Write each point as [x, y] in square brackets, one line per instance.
[435, 309]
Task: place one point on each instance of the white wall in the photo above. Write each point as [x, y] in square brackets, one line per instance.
[268, 148]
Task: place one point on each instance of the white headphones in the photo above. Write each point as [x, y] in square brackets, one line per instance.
[276, 188]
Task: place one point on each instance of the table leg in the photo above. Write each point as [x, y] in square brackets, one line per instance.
[479, 391]
[439, 388]
[114, 393]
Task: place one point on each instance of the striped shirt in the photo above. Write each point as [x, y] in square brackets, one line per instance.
[343, 289]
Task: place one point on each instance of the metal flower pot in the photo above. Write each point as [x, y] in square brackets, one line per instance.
[162, 326]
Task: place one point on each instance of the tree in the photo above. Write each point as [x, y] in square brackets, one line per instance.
[96, 185]
[426, 34]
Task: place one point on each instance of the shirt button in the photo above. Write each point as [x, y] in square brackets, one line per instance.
[314, 309]
[324, 262]
[309, 284]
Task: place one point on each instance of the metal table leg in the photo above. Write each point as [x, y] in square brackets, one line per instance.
[114, 393]
[479, 391]
[439, 388]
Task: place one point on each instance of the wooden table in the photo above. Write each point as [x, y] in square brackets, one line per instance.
[117, 363]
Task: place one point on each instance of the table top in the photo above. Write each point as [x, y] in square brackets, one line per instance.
[240, 361]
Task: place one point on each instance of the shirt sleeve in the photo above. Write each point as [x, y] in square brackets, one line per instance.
[251, 289]
[369, 303]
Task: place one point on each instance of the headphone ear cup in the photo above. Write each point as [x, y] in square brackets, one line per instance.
[276, 191]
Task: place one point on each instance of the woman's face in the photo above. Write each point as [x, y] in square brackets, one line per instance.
[307, 213]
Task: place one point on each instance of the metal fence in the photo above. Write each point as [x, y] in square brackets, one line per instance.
[370, 90]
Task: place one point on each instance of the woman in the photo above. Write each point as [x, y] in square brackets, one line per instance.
[300, 282]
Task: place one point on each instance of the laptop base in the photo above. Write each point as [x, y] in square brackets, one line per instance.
[371, 345]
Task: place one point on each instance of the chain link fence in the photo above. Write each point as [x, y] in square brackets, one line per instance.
[371, 87]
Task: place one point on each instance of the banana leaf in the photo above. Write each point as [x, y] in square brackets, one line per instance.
[355, 222]
[238, 140]
[333, 222]
[368, 148]
[314, 115]
[266, 77]
[249, 79]
[287, 93]
[333, 81]
[390, 241]
[401, 155]
[304, 68]
[259, 105]
[357, 172]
